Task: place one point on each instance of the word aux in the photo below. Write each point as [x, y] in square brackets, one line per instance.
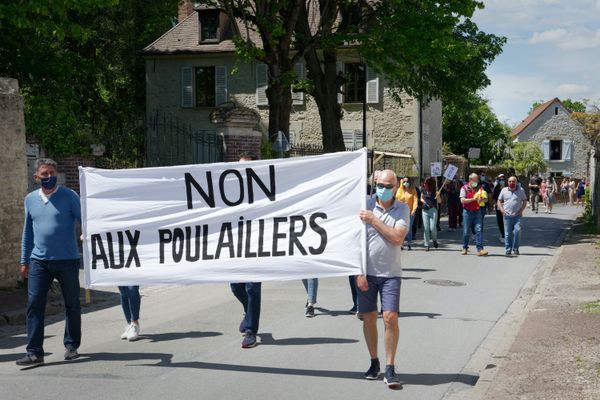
[112, 254]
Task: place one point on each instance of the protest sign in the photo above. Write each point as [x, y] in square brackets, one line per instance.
[227, 222]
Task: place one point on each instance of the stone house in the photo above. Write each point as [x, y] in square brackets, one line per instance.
[565, 146]
[193, 68]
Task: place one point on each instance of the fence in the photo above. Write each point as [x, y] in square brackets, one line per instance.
[169, 141]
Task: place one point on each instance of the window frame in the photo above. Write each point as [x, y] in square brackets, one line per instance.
[552, 153]
[357, 87]
[203, 17]
[197, 90]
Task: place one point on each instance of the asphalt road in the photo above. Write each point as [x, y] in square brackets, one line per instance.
[191, 347]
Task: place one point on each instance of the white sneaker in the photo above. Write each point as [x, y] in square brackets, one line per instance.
[126, 332]
[501, 240]
[133, 333]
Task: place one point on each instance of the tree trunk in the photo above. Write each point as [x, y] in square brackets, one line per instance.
[280, 101]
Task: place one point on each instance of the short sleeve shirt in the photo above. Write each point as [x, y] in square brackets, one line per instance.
[512, 201]
[383, 258]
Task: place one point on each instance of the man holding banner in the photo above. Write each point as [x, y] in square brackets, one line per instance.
[387, 222]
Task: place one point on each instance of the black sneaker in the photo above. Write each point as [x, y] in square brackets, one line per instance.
[374, 370]
[409, 247]
[435, 244]
[391, 379]
[71, 354]
[310, 310]
[508, 253]
[30, 361]
[353, 310]
[249, 340]
[516, 251]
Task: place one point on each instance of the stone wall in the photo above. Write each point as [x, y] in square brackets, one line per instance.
[393, 127]
[14, 189]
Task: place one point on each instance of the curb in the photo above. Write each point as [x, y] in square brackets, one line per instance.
[488, 357]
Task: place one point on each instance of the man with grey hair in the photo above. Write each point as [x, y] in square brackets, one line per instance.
[50, 251]
[387, 223]
[512, 201]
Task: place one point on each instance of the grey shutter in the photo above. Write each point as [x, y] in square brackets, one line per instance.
[358, 138]
[187, 87]
[262, 82]
[546, 149]
[372, 87]
[339, 67]
[298, 97]
[221, 95]
[349, 138]
[567, 150]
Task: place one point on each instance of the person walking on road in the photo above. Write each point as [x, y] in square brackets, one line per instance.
[311, 285]
[454, 207]
[500, 184]
[564, 191]
[473, 197]
[249, 295]
[130, 303]
[535, 184]
[429, 198]
[49, 251]
[572, 190]
[407, 194]
[550, 195]
[387, 223]
[580, 192]
[512, 202]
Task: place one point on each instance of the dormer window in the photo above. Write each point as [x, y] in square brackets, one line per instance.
[209, 25]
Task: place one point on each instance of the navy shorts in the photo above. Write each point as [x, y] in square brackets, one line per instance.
[388, 290]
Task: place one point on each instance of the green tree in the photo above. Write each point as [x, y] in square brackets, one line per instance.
[572, 105]
[80, 71]
[526, 159]
[470, 122]
[426, 48]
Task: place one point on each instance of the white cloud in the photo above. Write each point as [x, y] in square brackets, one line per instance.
[598, 4]
[572, 89]
[551, 35]
[567, 40]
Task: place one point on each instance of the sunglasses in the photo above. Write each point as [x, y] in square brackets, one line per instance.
[382, 186]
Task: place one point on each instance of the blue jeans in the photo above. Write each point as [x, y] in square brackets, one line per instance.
[472, 220]
[409, 235]
[130, 302]
[41, 275]
[249, 295]
[311, 286]
[430, 225]
[512, 227]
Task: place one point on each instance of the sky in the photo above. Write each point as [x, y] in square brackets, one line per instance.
[553, 50]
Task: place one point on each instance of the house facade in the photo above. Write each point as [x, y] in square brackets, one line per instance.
[193, 69]
[565, 147]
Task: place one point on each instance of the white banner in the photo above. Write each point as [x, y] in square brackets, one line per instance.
[250, 221]
[451, 171]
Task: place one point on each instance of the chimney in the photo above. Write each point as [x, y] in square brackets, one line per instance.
[185, 8]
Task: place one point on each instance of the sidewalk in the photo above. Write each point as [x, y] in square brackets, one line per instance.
[556, 352]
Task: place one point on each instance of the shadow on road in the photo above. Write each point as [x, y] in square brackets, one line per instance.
[162, 358]
[268, 339]
[418, 314]
[409, 379]
[418, 270]
[165, 337]
[12, 342]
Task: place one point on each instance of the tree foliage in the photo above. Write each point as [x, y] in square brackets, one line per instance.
[591, 125]
[80, 71]
[527, 159]
[470, 122]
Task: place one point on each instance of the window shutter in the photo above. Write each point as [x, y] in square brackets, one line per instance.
[221, 95]
[292, 140]
[298, 97]
[567, 150]
[187, 87]
[546, 149]
[262, 82]
[349, 138]
[339, 66]
[358, 138]
[372, 87]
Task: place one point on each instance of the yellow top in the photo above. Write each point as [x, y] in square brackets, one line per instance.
[481, 196]
[409, 197]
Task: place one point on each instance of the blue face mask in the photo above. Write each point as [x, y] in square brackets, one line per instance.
[49, 182]
[501, 182]
[384, 194]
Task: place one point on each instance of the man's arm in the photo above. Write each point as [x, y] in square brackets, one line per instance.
[393, 235]
[26, 243]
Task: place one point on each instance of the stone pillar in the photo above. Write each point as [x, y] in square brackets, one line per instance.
[13, 162]
[238, 128]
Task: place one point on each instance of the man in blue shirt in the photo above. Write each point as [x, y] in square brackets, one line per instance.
[49, 251]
